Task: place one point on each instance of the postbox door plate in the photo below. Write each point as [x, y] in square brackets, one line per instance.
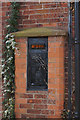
[37, 65]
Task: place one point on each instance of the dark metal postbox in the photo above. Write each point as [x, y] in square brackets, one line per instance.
[37, 63]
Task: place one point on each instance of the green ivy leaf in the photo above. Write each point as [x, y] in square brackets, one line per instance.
[8, 64]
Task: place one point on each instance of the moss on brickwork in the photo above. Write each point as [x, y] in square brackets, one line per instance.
[42, 31]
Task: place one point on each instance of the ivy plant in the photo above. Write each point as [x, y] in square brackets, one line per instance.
[8, 64]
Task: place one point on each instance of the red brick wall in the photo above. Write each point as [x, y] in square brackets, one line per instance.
[5, 16]
[38, 15]
[40, 104]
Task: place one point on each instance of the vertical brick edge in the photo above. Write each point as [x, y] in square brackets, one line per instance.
[0, 59]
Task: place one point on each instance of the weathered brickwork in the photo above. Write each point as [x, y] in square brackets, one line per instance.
[37, 15]
[5, 16]
[40, 104]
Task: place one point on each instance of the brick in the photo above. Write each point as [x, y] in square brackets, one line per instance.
[40, 96]
[52, 54]
[8, 3]
[60, 71]
[43, 11]
[52, 80]
[20, 100]
[21, 84]
[27, 116]
[3, 13]
[50, 25]
[37, 101]
[51, 112]
[51, 91]
[45, 111]
[40, 92]
[23, 116]
[51, 49]
[42, 20]
[17, 110]
[44, 102]
[31, 3]
[21, 40]
[19, 76]
[66, 9]
[61, 107]
[26, 96]
[60, 82]
[22, 50]
[21, 65]
[51, 101]
[53, 107]
[3, 4]
[25, 106]
[36, 16]
[24, 17]
[53, 60]
[19, 71]
[60, 60]
[16, 105]
[58, 113]
[53, 117]
[51, 85]
[5, 9]
[51, 44]
[54, 20]
[40, 106]
[20, 90]
[39, 6]
[19, 61]
[17, 115]
[24, 8]
[24, 26]
[23, 79]
[40, 116]
[28, 21]
[51, 74]
[48, 16]
[33, 111]
[49, 5]
[51, 65]
[22, 45]
[29, 12]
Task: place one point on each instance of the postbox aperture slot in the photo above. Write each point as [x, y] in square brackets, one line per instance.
[38, 46]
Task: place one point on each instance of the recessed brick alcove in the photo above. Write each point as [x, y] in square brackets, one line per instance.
[40, 103]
